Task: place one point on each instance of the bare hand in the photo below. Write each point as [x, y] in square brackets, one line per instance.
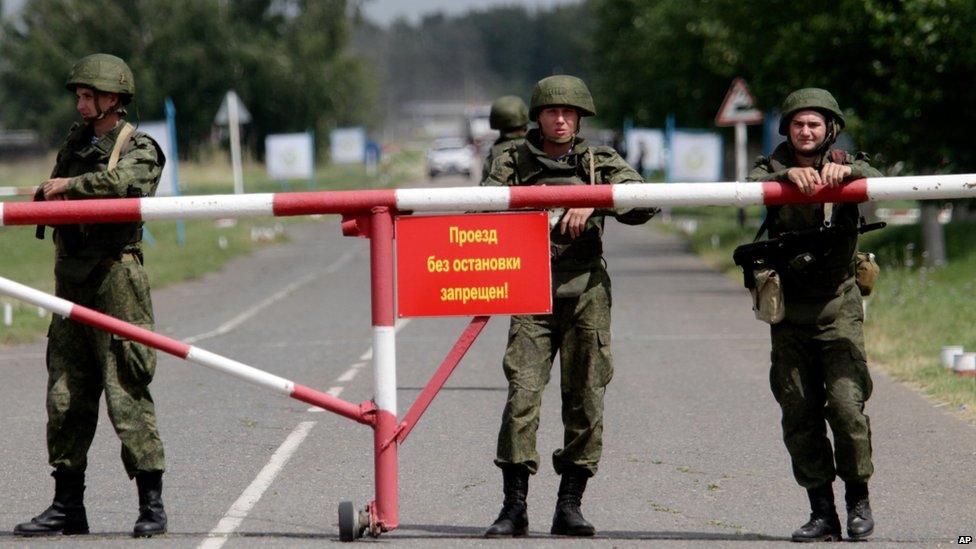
[55, 189]
[574, 220]
[805, 179]
[834, 174]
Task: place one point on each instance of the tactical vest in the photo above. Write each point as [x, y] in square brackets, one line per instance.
[81, 247]
[833, 272]
[534, 167]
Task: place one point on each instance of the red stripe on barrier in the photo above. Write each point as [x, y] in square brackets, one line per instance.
[776, 193]
[386, 506]
[570, 196]
[333, 404]
[69, 212]
[332, 202]
[130, 331]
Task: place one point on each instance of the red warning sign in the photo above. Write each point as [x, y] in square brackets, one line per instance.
[474, 264]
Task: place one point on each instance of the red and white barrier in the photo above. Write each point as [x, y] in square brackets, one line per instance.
[927, 187]
[371, 214]
[359, 412]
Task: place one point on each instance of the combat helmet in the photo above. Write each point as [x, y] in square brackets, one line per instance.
[508, 112]
[810, 98]
[104, 73]
[561, 89]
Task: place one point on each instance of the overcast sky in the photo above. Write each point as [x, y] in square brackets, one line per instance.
[386, 11]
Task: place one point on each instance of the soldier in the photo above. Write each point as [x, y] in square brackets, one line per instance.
[579, 326]
[510, 117]
[100, 266]
[819, 372]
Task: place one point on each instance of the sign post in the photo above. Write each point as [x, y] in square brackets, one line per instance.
[739, 109]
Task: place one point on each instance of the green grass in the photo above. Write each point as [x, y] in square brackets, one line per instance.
[208, 247]
[913, 312]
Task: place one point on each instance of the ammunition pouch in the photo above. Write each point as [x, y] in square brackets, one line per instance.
[767, 296]
[866, 271]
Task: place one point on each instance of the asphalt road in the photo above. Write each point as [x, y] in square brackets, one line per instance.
[692, 445]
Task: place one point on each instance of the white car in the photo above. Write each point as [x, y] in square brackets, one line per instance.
[450, 156]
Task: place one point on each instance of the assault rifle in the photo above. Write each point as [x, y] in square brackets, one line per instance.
[793, 249]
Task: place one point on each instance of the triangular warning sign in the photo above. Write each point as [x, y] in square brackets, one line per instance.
[739, 107]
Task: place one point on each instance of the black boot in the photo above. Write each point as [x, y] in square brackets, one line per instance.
[568, 520]
[824, 524]
[152, 516]
[66, 515]
[860, 523]
[513, 520]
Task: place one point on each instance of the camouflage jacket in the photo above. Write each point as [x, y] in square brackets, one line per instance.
[527, 164]
[503, 142]
[140, 165]
[834, 273]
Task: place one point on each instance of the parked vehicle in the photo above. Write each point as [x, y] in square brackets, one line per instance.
[450, 156]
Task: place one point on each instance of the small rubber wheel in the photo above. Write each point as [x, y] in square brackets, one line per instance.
[348, 527]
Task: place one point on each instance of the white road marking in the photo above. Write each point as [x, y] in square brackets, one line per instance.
[239, 510]
[270, 300]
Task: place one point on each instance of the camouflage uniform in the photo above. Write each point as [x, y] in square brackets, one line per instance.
[819, 371]
[504, 142]
[510, 116]
[100, 266]
[579, 327]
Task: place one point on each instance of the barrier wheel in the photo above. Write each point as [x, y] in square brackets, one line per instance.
[349, 528]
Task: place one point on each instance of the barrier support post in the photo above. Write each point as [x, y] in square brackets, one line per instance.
[384, 513]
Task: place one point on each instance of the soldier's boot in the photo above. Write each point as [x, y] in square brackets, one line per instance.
[824, 524]
[568, 519]
[152, 516]
[513, 520]
[66, 515]
[860, 523]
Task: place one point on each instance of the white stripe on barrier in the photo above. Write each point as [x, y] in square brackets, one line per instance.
[36, 297]
[172, 207]
[923, 187]
[239, 370]
[687, 194]
[453, 199]
[384, 368]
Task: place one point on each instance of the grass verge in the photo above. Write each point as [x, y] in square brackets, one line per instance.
[913, 312]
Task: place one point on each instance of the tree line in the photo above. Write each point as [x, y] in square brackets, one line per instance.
[897, 67]
[287, 60]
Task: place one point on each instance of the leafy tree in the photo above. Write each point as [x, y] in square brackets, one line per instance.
[285, 58]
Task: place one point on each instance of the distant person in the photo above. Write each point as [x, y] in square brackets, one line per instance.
[510, 117]
[819, 371]
[100, 266]
[579, 326]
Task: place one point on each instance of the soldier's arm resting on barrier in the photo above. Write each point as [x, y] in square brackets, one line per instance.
[574, 221]
[615, 170]
[55, 188]
[861, 167]
[136, 174]
[763, 171]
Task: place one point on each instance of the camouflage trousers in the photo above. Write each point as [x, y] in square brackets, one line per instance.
[82, 362]
[819, 376]
[579, 329]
